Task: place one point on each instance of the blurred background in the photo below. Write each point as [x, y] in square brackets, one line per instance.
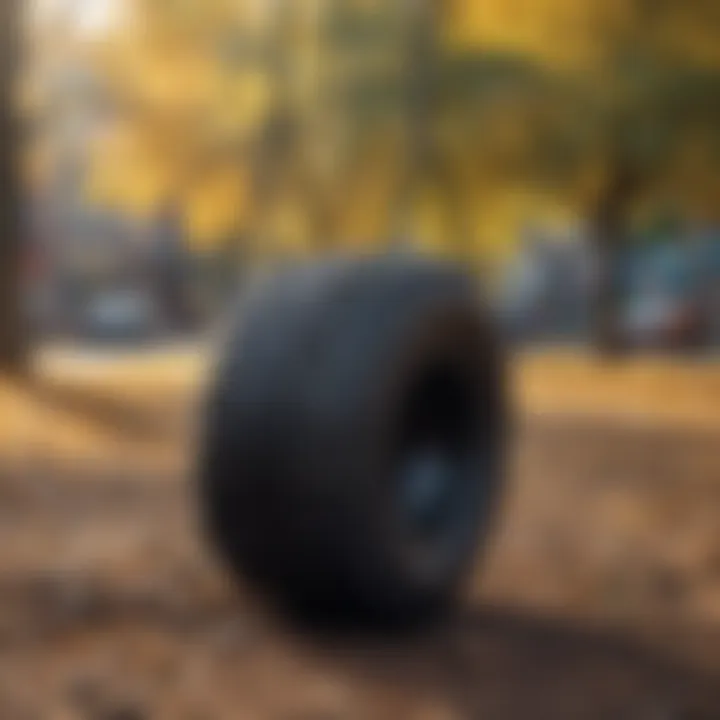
[156, 154]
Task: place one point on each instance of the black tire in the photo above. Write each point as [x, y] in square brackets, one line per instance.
[354, 438]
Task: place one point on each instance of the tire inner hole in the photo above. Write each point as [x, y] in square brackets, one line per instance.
[437, 441]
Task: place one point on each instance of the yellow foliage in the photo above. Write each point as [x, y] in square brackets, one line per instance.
[573, 32]
[501, 217]
[240, 106]
[556, 31]
[431, 226]
[128, 171]
[216, 205]
[189, 117]
[195, 112]
[288, 229]
[371, 198]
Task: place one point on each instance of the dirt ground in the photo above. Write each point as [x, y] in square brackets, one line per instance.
[599, 598]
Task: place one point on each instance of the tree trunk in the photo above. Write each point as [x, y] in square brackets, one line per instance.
[605, 319]
[173, 275]
[420, 77]
[609, 235]
[13, 328]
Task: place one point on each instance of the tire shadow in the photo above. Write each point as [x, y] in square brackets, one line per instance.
[499, 664]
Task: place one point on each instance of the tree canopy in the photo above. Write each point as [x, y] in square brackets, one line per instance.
[296, 124]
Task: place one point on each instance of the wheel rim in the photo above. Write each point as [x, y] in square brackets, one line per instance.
[427, 488]
[433, 481]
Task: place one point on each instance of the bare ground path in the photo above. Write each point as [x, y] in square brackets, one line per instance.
[599, 599]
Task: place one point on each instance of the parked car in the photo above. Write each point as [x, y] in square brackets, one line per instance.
[661, 320]
[663, 307]
[120, 316]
